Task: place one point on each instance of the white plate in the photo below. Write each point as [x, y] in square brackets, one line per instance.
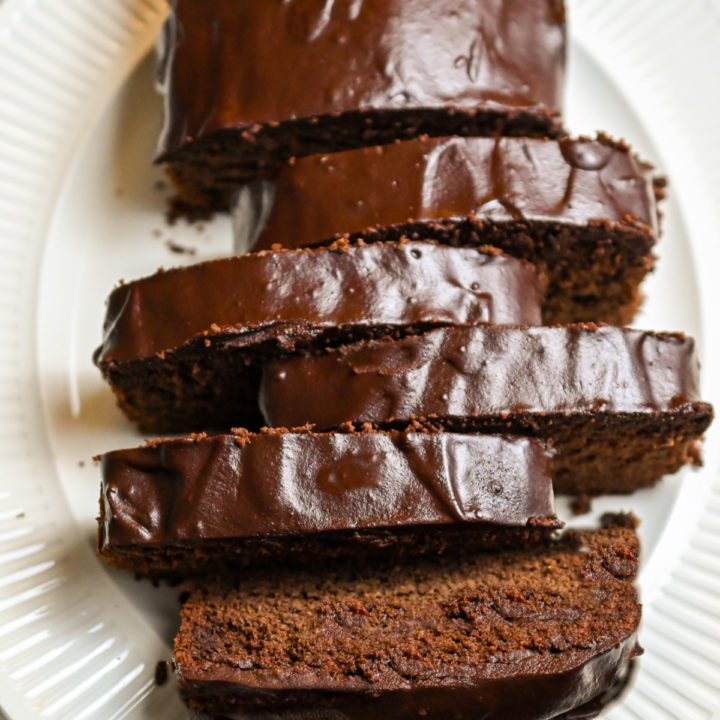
[79, 209]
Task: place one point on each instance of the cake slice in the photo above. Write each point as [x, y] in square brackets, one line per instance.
[583, 211]
[181, 348]
[197, 505]
[528, 634]
[250, 84]
[620, 407]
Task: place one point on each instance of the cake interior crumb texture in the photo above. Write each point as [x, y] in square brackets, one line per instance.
[523, 634]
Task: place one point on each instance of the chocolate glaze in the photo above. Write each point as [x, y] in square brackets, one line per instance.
[409, 187]
[578, 692]
[487, 371]
[240, 65]
[299, 294]
[277, 487]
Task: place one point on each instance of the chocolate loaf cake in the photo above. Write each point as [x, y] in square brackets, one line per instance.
[250, 84]
[181, 348]
[198, 505]
[583, 211]
[620, 407]
[528, 634]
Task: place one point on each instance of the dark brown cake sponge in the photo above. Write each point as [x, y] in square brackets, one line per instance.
[528, 634]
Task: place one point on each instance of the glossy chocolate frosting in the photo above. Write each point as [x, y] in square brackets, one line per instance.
[274, 485]
[239, 64]
[485, 371]
[410, 186]
[578, 692]
[301, 293]
[615, 681]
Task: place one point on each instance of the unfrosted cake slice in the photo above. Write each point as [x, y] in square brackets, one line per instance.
[530, 634]
[181, 348]
[620, 407]
[198, 505]
[250, 84]
[583, 211]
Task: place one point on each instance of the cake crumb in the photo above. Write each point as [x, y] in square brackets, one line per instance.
[178, 248]
[580, 504]
[178, 209]
[161, 673]
[81, 463]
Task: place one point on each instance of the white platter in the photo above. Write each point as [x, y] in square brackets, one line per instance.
[79, 208]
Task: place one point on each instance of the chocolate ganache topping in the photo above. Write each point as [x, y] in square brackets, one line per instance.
[411, 186]
[484, 371]
[594, 679]
[239, 64]
[181, 492]
[300, 293]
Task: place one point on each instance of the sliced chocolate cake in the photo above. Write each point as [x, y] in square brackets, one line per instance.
[250, 84]
[528, 634]
[583, 211]
[181, 348]
[202, 504]
[620, 407]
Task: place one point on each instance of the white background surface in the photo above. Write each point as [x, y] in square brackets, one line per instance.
[79, 208]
